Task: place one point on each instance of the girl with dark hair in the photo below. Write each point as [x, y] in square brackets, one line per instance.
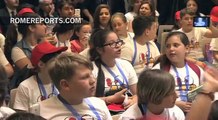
[187, 75]
[20, 52]
[156, 98]
[102, 17]
[192, 5]
[114, 76]
[82, 32]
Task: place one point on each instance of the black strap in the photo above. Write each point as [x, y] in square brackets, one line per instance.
[141, 109]
[100, 87]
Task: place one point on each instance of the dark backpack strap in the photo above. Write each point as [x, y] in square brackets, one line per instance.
[141, 109]
[195, 68]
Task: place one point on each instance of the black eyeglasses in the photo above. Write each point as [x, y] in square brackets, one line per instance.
[115, 44]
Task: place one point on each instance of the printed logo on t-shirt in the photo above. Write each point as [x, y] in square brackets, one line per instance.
[84, 117]
[186, 82]
[115, 85]
[146, 60]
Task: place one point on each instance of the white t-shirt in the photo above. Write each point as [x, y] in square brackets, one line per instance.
[5, 112]
[85, 53]
[214, 47]
[193, 79]
[54, 109]
[214, 44]
[128, 52]
[3, 59]
[134, 112]
[110, 82]
[196, 35]
[28, 93]
[17, 54]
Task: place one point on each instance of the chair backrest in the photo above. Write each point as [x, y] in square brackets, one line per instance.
[161, 29]
[163, 37]
[12, 97]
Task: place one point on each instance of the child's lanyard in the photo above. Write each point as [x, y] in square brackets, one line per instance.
[135, 52]
[115, 76]
[148, 53]
[74, 112]
[179, 81]
[42, 88]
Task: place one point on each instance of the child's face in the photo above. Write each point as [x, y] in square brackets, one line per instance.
[114, 50]
[187, 21]
[82, 84]
[175, 49]
[84, 33]
[119, 26]
[151, 33]
[169, 100]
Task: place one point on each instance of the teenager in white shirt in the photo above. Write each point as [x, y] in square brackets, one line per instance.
[157, 96]
[144, 51]
[187, 75]
[114, 76]
[39, 86]
[72, 75]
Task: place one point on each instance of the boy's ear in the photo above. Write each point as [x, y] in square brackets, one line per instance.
[31, 28]
[146, 32]
[64, 84]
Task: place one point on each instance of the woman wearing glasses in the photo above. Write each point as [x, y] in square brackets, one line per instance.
[114, 76]
[187, 75]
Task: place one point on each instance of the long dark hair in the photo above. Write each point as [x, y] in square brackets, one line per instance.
[97, 14]
[98, 39]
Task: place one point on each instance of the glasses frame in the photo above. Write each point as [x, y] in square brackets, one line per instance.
[115, 44]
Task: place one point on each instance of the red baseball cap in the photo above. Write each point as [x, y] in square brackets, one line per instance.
[177, 15]
[42, 49]
[214, 14]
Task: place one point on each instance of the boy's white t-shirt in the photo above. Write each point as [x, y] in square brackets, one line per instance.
[133, 112]
[54, 109]
[128, 52]
[5, 112]
[28, 94]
